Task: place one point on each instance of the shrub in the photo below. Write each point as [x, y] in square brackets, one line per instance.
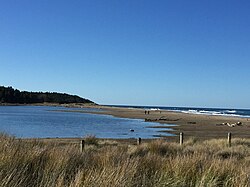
[91, 140]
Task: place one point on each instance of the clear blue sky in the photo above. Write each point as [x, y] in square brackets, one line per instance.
[136, 52]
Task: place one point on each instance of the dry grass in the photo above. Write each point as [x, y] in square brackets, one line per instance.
[207, 163]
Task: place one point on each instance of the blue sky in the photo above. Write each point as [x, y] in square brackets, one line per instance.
[135, 52]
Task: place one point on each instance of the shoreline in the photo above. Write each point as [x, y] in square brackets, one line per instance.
[197, 126]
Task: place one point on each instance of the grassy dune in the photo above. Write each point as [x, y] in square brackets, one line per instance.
[158, 163]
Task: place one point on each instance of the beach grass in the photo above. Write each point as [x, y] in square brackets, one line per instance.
[156, 163]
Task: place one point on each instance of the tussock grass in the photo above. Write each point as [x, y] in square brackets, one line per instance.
[91, 139]
[157, 163]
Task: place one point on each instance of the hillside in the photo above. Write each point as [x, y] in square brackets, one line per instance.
[11, 95]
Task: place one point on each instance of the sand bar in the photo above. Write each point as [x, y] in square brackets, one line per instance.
[192, 125]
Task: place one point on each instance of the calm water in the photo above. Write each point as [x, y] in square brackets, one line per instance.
[42, 122]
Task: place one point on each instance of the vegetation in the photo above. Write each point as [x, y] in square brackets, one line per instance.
[158, 163]
[91, 139]
[10, 95]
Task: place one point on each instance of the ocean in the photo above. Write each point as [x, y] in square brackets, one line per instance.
[244, 113]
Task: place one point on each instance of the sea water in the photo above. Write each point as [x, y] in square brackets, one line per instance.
[244, 113]
[47, 122]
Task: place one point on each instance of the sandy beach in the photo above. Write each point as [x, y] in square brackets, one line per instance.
[192, 125]
[200, 127]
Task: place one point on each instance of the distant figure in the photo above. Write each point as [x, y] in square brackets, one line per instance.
[148, 112]
[145, 112]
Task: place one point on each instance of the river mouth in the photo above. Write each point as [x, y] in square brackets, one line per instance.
[45, 122]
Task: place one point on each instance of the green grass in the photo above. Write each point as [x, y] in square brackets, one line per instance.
[158, 163]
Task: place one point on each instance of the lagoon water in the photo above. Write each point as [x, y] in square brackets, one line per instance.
[44, 122]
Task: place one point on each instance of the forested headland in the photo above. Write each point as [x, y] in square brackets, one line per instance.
[11, 95]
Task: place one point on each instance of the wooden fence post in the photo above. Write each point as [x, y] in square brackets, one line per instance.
[229, 137]
[138, 141]
[82, 146]
[181, 138]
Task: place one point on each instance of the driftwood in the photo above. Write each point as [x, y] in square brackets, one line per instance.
[146, 119]
[162, 119]
[231, 125]
[167, 119]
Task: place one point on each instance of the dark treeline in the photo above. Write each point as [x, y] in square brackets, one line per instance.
[10, 95]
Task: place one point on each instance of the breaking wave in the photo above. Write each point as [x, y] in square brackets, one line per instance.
[213, 113]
